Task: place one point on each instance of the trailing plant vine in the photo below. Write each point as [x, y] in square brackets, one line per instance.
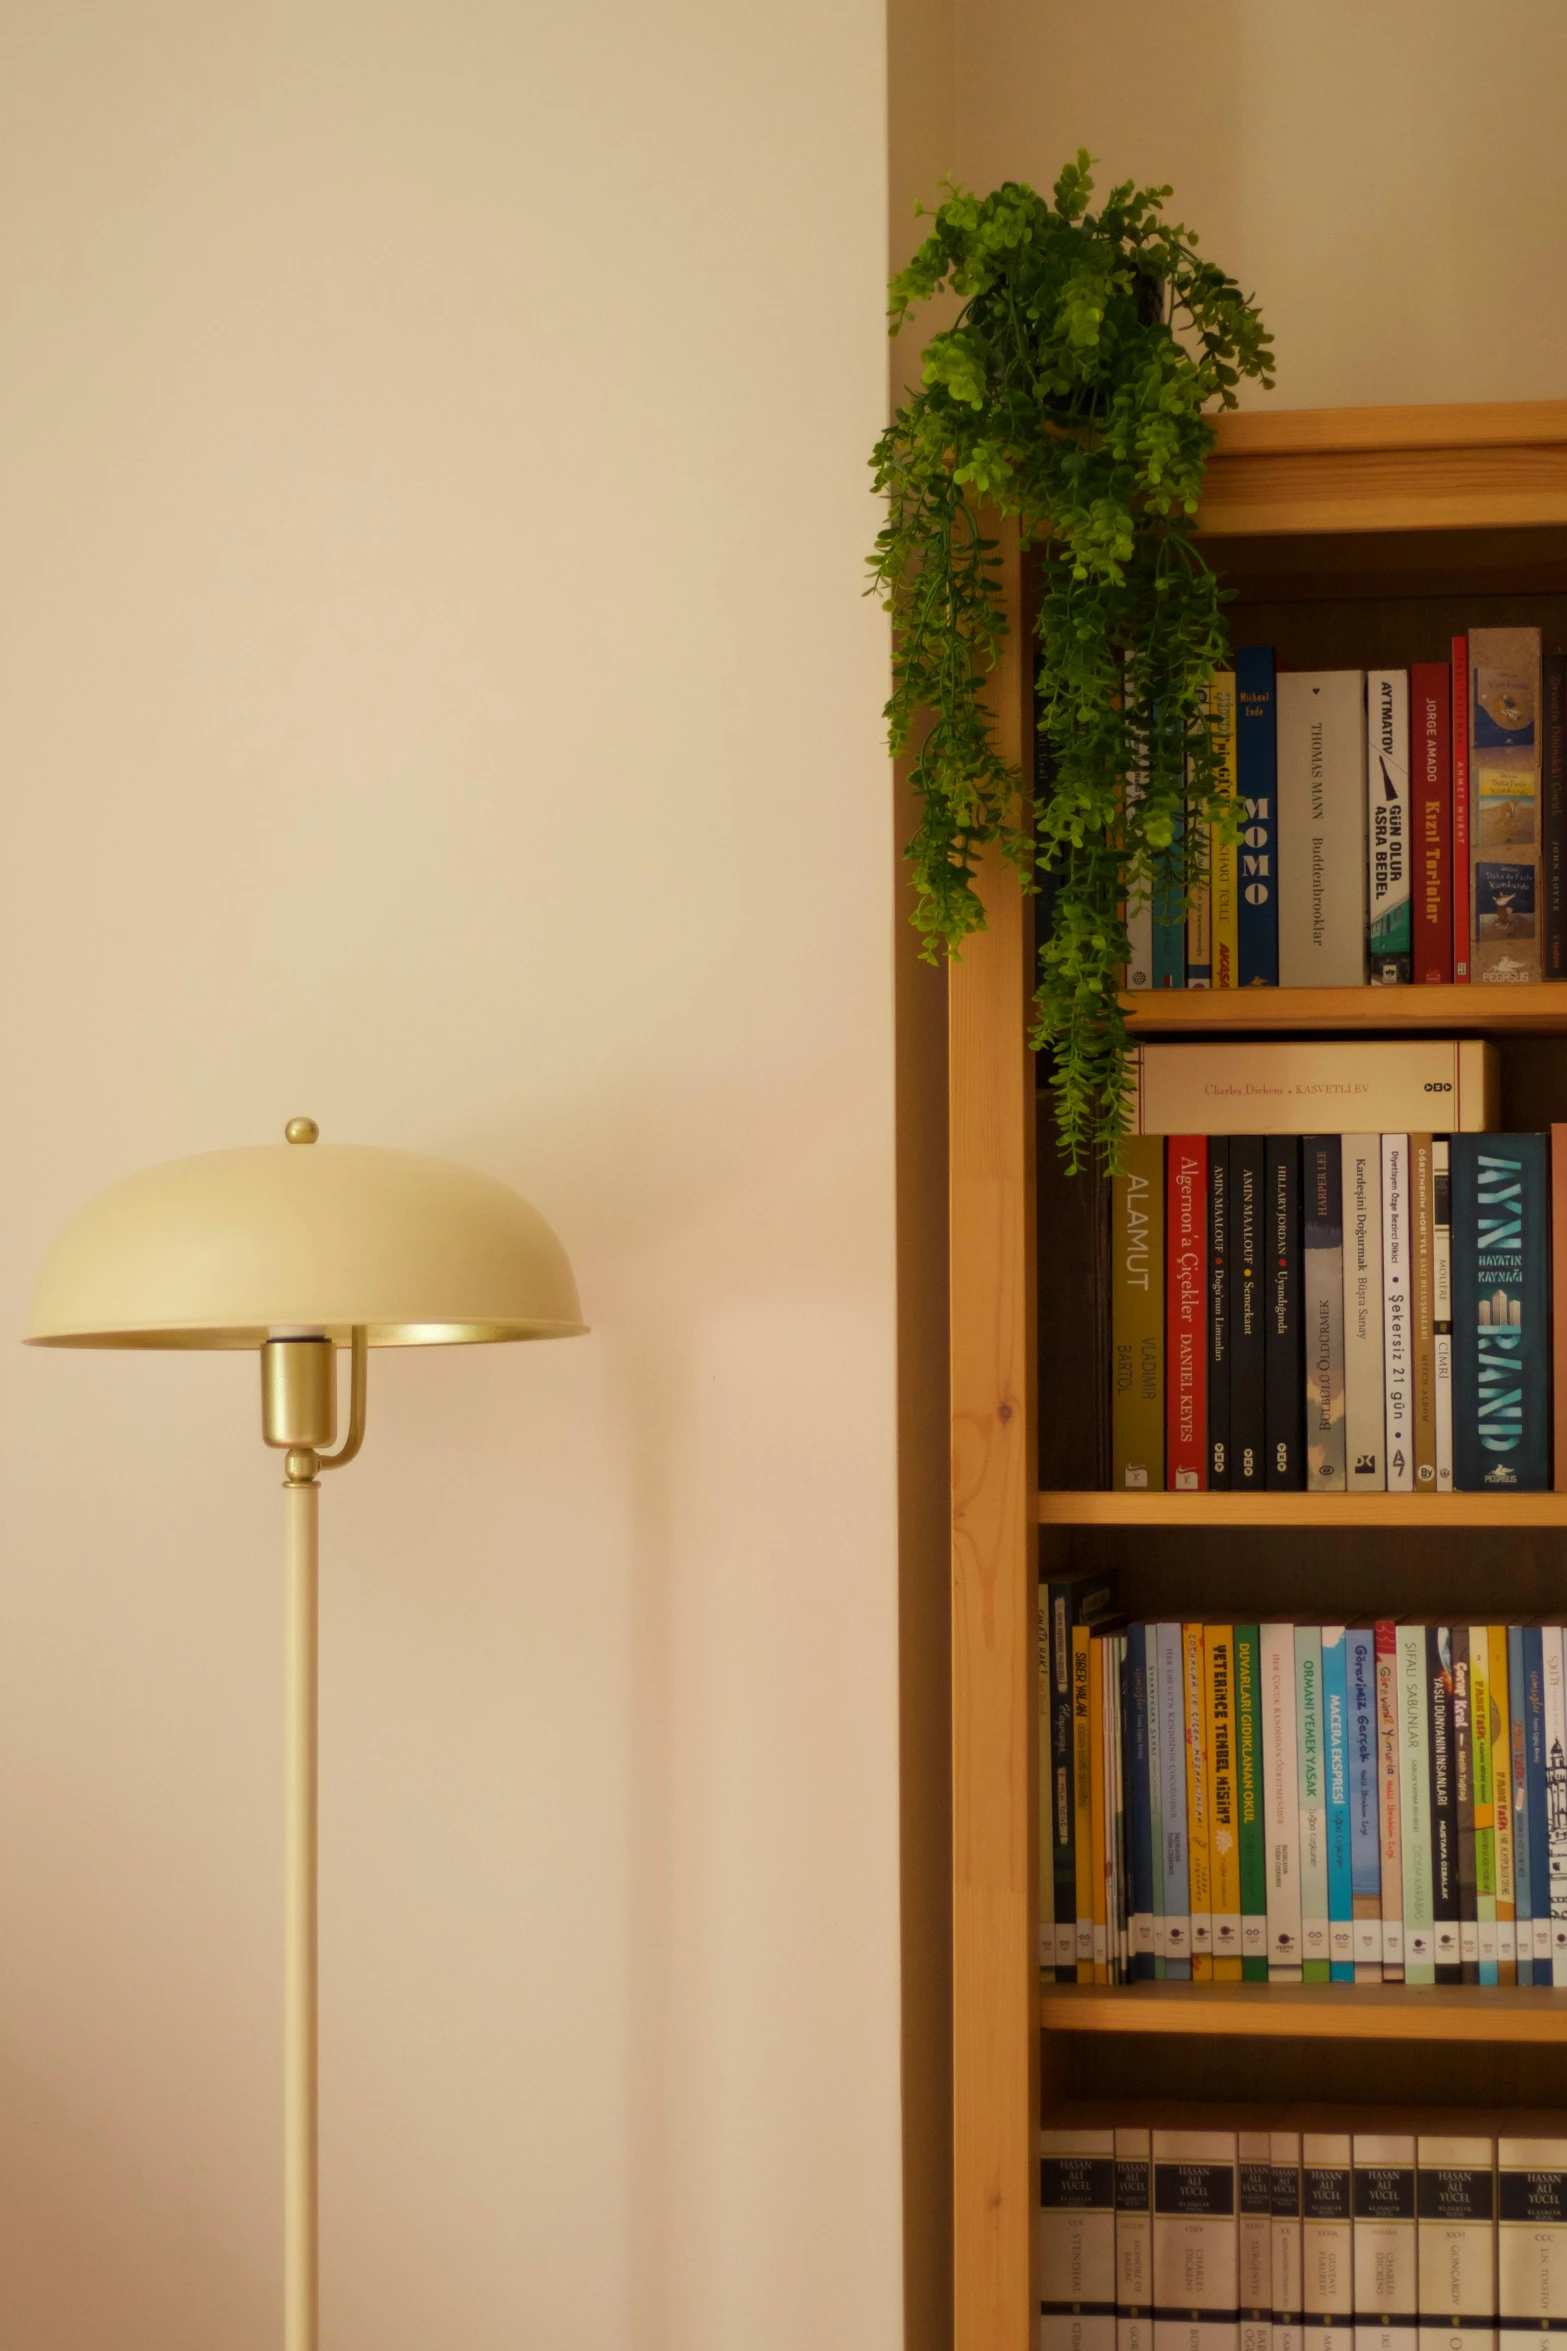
[1072, 393]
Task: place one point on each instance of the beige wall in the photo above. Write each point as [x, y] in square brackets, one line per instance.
[1391, 184]
[435, 694]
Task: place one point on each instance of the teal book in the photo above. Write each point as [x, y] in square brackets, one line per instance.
[1501, 1273]
[1314, 1944]
[1248, 1806]
[1335, 1708]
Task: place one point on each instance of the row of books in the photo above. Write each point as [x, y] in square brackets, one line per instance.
[1301, 1803]
[1368, 1313]
[1284, 2240]
[1399, 825]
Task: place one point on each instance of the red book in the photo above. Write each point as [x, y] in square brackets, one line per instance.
[1431, 819]
[1186, 1326]
[1461, 808]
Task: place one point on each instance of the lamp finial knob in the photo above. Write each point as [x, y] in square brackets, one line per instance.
[302, 1130]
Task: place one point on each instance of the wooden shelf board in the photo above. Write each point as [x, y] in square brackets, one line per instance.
[1341, 2012]
[1069, 1509]
[1539, 1008]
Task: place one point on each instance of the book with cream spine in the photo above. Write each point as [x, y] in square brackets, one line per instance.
[1365, 1385]
[1195, 2244]
[1387, 2306]
[1284, 2161]
[1077, 2249]
[1397, 1319]
[1531, 2236]
[1454, 2204]
[1322, 828]
[1327, 2242]
[1254, 2238]
[1297, 1086]
[1133, 2240]
[1281, 1802]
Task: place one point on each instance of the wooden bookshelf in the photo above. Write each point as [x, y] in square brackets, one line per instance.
[1350, 538]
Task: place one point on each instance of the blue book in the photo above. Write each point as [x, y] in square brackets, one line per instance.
[1517, 1755]
[1365, 1851]
[1335, 1708]
[1257, 781]
[1169, 925]
[1172, 1804]
[1534, 1771]
[1501, 1257]
[1139, 1803]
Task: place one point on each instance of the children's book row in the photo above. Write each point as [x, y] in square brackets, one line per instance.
[1323, 1313]
[1265, 2240]
[1287, 1803]
[1398, 825]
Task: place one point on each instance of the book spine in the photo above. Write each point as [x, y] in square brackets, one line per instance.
[1199, 1821]
[1047, 1810]
[1223, 855]
[1539, 1820]
[1552, 1663]
[1218, 1312]
[1133, 2240]
[1172, 1796]
[1169, 916]
[1388, 1805]
[1224, 1866]
[1422, 1324]
[1139, 1805]
[1442, 1307]
[1531, 2236]
[1284, 2162]
[1327, 2264]
[1281, 1803]
[1137, 1316]
[1387, 2300]
[1077, 2241]
[1431, 758]
[1085, 1850]
[1518, 1758]
[1186, 1338]
[1397, 1349]
[1254, 2238]
[1443, 1805]
[1365, 1850]
[1454, 2207]
[1248, 1315]
[1195, 2242]
[1459, 733]
[1137, 913]
[1501, 1308]
[1365, 1384]
[1281, 1085]
[1500, 1700]
[1463, 1788]
[1314, 1945]
[1249, 1775]
[1559, 1309]
[1553, 767]
[1485, 1807]
[1063, 1816]
[1506, 898]
[1155, 1802]
[1283, 1397]
[1118, 1842]
[1322, 828]
[1335, 1718]
[1414, 1800]
[1323, 1232]
[1257, 779]
[1389, 942]
[1199, 930]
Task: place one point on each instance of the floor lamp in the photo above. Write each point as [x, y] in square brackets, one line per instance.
[297, 1249]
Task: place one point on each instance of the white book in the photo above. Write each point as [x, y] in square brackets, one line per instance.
[1389, 943]
[1280, 1802]
[1531, 2254]
[1365, 1388]
[1284, 2153]
[1455, 2205]
[1556, 1793]
[1172, 1799]
[1312, 1797]
[1387, 2305]
[1414, 1806]
[1322, 1309]
[1327, 2242]
[1398, 1316]
[1314, 1086]
[1442, 1306]
[1254, 2252]
[1077, 2265]
[1133, 2240]
[1322, 828]
[1195, 2247]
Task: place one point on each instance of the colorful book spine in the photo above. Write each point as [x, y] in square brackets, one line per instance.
[1248, 1313]
[1281, 1803]
[1414, 1805]
[1365, 1851]
[1553, 780]
[1485, 1806]
[1062, 1821]
[1218, 1313]
[1323, 1233]
[1443, 1805]
[1422, 1322]
[1387, 2298]
[1082, 1800]
[1283, 1382]
[1199, 1813]
[1389, 944]
[1284, 2159]
[1518, 1758]
[1463, 1782]
[1254, 2183]
[1506, 898]
[1454, 2204]
[1431, 760]
[1096, 1812]
[1046, 1767]
[1199, 930]
[1137, 1316]
[1559, 1309]
[1186, 1326]
[1225, 1860]
[1249, 1804]
[1134, 2321]
[1459, 673]
[1442, 1308]
[1555, 1795]
[1335, 1723]
[1223, 854]
[1327, 2263]
[1138, 1801]
[1365, 1383]
[1531, 2234]
[1257, 778]
[1397, 1334]
[1137, 913]
[1388, 1806]
[1500, 1707]
[1312, 1798]
[1538, 1814]
[1195, 2242]
[1322, 828]
[1077, 2241]
[1169, 916]
[1501, 1308]
[1172, 1791]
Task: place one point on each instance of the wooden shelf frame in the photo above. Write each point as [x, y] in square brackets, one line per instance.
[1319, 2012]
[1431, 1511]
[1537, 1009]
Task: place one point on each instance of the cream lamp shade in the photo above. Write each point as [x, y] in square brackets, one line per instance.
[231, 1247]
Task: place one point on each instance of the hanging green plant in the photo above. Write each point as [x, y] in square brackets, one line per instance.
[1072, 393]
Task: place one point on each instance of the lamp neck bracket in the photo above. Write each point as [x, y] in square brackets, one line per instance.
[299, 1402]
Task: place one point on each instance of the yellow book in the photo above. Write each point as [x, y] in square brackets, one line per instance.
[1198, 1802]
[1224, 1839]
[1082, 1803]
[1484, 1799]
[1224, 859]
[1096, 1713]
[1502, 1806]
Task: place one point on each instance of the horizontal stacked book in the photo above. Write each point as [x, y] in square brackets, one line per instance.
[1395, 2238]
[1364, 1311]
[1400, 825]
[1288, 1803]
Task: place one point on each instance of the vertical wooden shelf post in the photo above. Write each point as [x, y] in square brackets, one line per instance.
[995, 1973]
